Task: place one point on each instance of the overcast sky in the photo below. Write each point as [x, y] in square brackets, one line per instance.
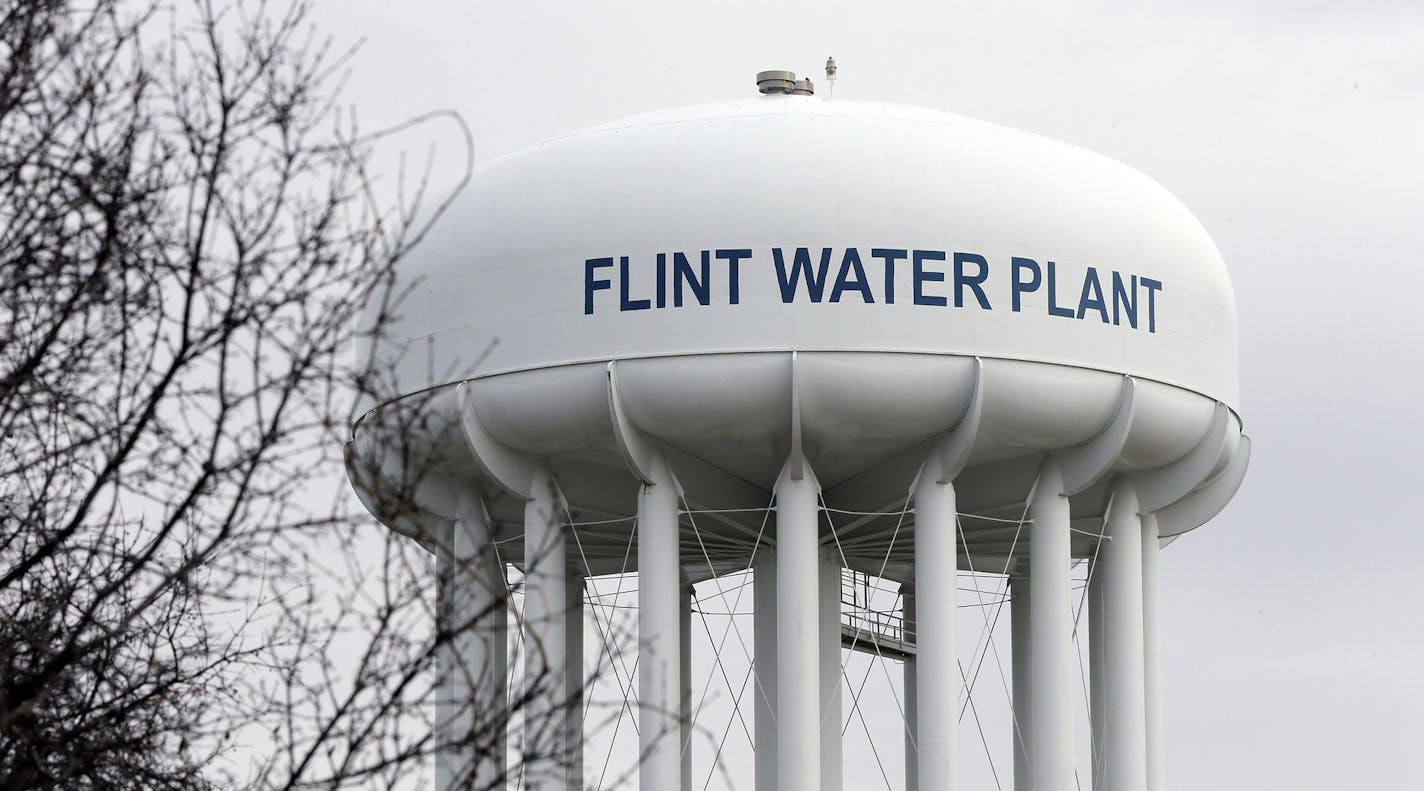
[1294, 131]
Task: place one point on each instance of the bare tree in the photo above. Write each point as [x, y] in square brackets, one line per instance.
[189, 235]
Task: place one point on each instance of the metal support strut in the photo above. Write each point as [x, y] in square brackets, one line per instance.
[661, 595]
[1117, 655]
[764, 665]
[798, 688]
[1050, 634]
[473, 702]
[829, 645]
[553, 620]
[937, 658]
[1152, 656]
[1021, 626]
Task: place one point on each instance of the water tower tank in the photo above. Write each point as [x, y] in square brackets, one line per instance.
[850, 335]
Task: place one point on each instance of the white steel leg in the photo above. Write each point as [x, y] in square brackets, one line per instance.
[1152, 656]
[937, 680]
[764, 662]
[797, 636]
[911, 683]
[1051, 633]
[684, 605]
[573, 681]
[1117, 656]
[660, 596]
[546, 638]
[830, 668]
[475, 659]
[1020, 627]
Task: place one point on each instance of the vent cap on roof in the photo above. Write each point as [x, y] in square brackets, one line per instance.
[778, 81]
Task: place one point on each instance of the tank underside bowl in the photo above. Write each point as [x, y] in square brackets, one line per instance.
[727, 423]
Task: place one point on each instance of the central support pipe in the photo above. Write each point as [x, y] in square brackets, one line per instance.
[797, 638]
[1050, 633]
[660, 599]
[937, 655]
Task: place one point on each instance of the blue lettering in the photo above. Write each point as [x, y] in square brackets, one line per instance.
[815, 281]
[1091, 297]
[1021, 286]
[682, 273]
[1152, 287]
[1053, 309]
[1124, 300]
[623, 302]
[592, 283]
[890, 255]
[976, 283]
[734, 272]
[680, 279]
[662, 280]
[850, 262]
[921, 276]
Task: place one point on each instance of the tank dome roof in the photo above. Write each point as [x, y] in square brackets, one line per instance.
[788, 222]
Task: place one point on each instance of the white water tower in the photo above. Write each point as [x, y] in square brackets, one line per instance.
[975, 347]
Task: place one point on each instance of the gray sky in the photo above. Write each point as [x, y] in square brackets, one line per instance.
[1295, 132]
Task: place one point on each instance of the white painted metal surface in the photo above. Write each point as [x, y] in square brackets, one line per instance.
[1120, 744]
[798, 655]
[764, 586]
[911, 691]
[1051, 634]
[550, 621]
[506, 283]
[828, 635]
[937, 673]
[473, 663]
[1021, 633]
[660, 601]
[1152, 656]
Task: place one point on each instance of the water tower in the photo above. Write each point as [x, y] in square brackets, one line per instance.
[975, 347]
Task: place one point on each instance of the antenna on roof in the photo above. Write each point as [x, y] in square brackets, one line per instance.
[830, 78]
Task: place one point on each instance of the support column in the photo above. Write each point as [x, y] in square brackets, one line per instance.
[764, 665]
[474, 599]
[1096, 686]
[685, 682]
[449, 716]
[547, 655]
[573, 680]
[911, 683]
[938, 680]
[830, 668]
[1119, 717]
[797, 636]
[1020, 634]
[1050, 633]
[661, 599]
[1152, 655]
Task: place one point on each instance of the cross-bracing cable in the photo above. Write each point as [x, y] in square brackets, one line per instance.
[615, 658]
[731, 627]
[855, 697]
